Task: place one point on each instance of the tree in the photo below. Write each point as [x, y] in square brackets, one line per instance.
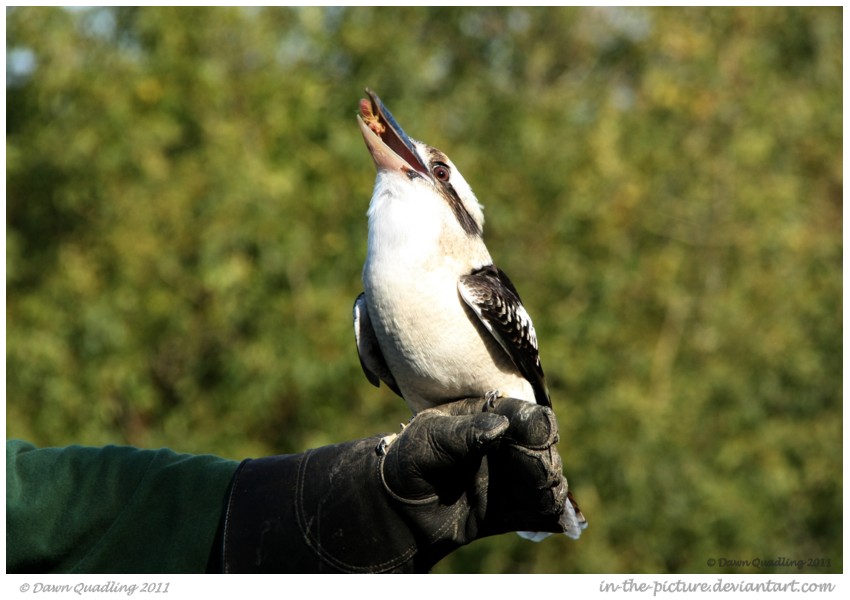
[186, 191]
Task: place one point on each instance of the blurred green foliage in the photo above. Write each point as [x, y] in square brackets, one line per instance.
[186, 197]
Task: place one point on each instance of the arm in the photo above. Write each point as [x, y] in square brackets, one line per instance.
[111, 509]
[453, 475]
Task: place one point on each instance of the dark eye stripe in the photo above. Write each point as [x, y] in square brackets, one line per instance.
[465, 219]
[469, 225]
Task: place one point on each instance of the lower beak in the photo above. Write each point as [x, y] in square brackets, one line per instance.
[389, 145]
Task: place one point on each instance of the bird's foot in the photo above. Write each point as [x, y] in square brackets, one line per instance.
[490, 399]
[384, 444]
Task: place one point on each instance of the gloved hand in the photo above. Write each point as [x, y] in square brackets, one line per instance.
[456, 473]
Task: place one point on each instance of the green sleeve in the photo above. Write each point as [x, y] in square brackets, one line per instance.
[112, 509]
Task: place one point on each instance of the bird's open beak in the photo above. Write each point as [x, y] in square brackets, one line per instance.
[389, 145]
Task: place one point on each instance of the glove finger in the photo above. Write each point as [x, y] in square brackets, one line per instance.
[530, 470]
[454, 438]
[527, 489]
[531, 425]
[433, 452]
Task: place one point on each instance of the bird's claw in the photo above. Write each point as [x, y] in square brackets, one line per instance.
[384, 444]
[490, 399]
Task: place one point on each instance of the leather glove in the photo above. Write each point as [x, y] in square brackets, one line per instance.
[456, 473]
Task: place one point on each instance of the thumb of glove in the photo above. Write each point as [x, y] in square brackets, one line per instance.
[436, 447]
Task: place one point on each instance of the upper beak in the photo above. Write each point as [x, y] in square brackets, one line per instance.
[389, 145]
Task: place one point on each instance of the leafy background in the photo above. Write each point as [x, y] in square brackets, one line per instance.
[186, 197]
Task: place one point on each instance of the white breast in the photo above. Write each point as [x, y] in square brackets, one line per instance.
[433, 344]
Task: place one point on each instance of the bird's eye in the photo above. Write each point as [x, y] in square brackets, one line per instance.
[442, 172]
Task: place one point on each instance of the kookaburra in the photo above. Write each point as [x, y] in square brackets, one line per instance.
[437, 320]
